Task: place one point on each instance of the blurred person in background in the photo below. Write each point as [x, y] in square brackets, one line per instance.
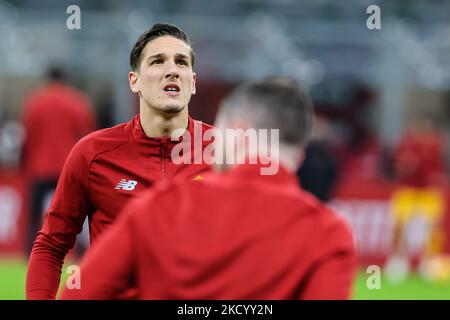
[319, 171]
[237, 234]
[54, 118]
[419, 158]
[111, 166]
[419, 199]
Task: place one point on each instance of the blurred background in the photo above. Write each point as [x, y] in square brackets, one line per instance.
[381, 147]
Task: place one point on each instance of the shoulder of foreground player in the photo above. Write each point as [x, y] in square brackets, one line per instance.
[327, 219]
[172, 193]
[164, 198]
[335, 227]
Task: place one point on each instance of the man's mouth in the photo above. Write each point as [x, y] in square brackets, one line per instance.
[172, 89]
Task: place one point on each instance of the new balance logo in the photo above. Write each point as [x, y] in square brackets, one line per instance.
[126, 185]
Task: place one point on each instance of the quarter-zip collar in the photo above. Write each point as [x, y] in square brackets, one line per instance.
[162, 143]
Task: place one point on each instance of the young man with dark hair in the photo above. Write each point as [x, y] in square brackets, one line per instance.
[235, 235]
[109, 167]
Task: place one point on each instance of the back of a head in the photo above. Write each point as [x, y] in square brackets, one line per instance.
[56, 74]
[272, 103]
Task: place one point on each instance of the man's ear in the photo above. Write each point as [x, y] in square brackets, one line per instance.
[133, 79]
[194, 80]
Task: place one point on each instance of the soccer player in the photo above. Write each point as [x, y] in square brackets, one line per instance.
[55, 117]
[109, 167]
[233, 235]
[418, 200]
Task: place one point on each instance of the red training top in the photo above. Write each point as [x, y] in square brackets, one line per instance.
[54, 117]
[240, 235]
[102, 173]
[419, 159]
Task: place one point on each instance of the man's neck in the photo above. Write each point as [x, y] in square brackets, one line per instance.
[288, 157]
[158, 124]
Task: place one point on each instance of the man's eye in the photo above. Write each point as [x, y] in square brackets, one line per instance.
[183, 62]
[157, 61]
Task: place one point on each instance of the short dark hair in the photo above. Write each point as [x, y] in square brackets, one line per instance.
[275, 102]
[158, 30]
[56, 73]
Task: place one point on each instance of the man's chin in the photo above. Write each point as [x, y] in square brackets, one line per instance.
[171, 108]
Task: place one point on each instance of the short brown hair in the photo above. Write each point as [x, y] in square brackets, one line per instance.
[274, 102]
[158, 30]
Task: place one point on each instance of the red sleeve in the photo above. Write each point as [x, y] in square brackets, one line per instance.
[332, 275]
[63, 221]
[106, 270]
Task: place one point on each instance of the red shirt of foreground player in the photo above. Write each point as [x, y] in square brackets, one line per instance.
[239, 235]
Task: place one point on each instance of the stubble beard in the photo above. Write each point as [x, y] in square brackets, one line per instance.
[170, 108]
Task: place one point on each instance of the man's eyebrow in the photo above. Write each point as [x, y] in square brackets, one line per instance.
[163, 56]
[182, 55]
[157, 56]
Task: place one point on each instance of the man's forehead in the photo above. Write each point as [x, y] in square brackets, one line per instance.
[166, 45]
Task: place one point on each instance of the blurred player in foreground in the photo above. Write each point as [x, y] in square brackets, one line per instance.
[109, 167]
[238, 234]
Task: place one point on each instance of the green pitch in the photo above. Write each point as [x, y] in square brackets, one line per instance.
[12, 279]
[413, 288]
[13, 273]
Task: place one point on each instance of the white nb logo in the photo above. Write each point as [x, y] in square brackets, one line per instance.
[126, 185]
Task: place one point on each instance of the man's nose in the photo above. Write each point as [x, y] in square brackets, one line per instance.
[171, 71]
